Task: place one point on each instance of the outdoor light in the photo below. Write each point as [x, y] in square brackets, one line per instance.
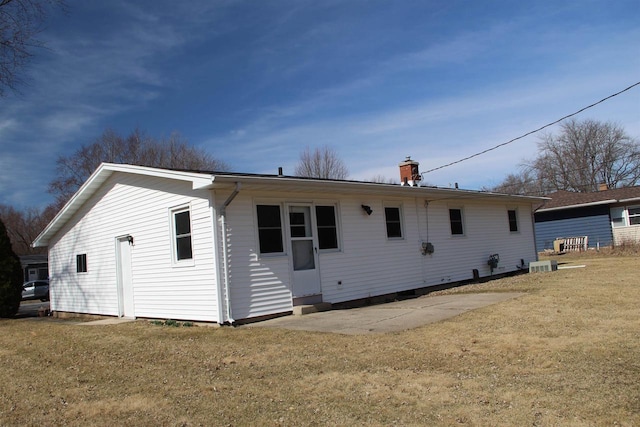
[367, 209]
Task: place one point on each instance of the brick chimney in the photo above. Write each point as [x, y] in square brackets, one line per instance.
[409, 174]
[603, 187]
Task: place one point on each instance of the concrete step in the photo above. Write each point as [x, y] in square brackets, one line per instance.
[300, 310]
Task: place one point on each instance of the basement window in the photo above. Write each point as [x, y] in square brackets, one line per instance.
[269, 229]
[513, 220]
[81, 263]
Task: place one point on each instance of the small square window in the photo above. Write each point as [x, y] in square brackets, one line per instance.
[81, 263]
[394, 225]
[513, 220]
[455, 218]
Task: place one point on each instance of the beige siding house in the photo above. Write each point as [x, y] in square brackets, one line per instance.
[220, 247]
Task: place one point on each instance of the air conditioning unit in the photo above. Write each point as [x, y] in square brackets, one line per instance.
[543, 266]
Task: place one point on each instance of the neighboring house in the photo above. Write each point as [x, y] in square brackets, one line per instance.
[219, 247]
[607, 217]
[34, 267]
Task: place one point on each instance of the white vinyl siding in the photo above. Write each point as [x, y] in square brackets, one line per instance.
[160, 291]
[260, 284]
[368, 263]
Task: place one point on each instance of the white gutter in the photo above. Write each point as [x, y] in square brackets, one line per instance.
[633, 199]
[225, 257]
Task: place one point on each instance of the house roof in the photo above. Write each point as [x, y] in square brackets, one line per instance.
[568, 200]
[209, 180]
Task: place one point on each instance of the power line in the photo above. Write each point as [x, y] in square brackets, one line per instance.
[533, 131]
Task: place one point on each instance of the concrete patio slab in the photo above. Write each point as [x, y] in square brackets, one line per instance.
[390, 317]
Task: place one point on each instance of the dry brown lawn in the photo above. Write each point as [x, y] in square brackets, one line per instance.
[567, 353]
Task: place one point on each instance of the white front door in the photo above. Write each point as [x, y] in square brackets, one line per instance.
[304, 250]
[125, 282]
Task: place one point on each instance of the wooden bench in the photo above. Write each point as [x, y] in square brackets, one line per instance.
[573, 244]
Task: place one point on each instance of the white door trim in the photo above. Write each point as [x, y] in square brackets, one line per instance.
[124, 277]
[303, 247]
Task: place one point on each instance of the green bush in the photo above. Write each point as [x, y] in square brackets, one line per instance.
[10, 277]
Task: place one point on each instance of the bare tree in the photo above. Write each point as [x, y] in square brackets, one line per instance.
[525, 183]
[20, 23]
[137, 149]
[381, 179]
[24, 226]
[580, 158]
[321, 163]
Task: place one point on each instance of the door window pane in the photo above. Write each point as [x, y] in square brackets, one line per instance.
[300, 221]
[302, 255]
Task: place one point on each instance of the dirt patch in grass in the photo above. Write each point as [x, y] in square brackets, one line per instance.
[568, 353]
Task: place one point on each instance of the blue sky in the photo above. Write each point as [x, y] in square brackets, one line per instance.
[255, 82]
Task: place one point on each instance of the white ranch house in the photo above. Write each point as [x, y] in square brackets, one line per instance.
[221, 247]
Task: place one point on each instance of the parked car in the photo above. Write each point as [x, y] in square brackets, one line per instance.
[36, 289]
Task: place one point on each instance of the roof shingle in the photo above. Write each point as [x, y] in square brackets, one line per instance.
[564, 198]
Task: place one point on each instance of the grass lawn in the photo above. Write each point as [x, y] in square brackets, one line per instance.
[567, 353]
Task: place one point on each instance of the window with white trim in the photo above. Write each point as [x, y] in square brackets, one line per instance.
[327, 227]
[181, 219]
[634, 215]
[81, 263]
[512, 214]
[392, 217]
[618, 217]
[455, 219]
[269, 229]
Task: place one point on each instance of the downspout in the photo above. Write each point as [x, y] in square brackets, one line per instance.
[533, 228]
[216, 257]
[225, 257]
